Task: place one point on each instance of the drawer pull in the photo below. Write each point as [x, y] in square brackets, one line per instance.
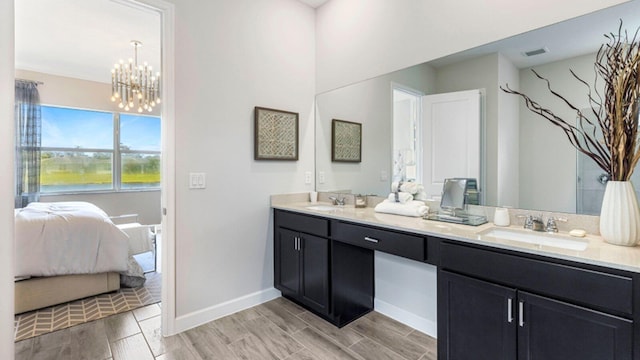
[370, 239]
[510, 310]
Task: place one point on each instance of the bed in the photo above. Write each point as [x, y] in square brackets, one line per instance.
[66, 251]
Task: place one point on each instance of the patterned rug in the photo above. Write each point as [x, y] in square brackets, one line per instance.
[62, 316]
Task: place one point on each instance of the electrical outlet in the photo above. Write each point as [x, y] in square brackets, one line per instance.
[307, 177]
[383, 175]
[321, 178]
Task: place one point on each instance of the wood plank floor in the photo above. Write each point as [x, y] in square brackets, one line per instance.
[278, 330]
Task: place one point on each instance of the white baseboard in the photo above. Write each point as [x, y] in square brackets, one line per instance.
[426, 326]
[200, 317]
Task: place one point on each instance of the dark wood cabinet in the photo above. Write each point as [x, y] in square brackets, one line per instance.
[554, 330]
[302, 268]
[493, 304]
[333, 280]
[500, 317]
[476, 318]
[314, 272]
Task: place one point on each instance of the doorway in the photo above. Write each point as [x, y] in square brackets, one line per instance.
[165, 12]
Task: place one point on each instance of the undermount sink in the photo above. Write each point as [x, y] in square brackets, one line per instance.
[537, 238]
[321, 207]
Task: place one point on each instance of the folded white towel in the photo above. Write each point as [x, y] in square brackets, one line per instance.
[408, 187]
[402, 198]
[411, 208]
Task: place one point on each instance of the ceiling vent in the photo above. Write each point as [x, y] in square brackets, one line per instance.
[535, 52]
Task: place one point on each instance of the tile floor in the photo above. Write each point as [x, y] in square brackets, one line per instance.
[277, 330]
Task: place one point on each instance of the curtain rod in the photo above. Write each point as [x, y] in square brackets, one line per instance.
[27, 80]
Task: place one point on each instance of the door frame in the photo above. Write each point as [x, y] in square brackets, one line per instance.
[168, 193]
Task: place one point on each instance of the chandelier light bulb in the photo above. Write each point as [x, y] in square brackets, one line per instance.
[113, 98]
[121, 105]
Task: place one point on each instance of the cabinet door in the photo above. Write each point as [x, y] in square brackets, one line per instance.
[287, 262]
[553, 330]
[315, 272]
[476, 319]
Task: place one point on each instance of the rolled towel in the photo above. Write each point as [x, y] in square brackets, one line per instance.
[408, 187]
[400, 197]
[411, 208]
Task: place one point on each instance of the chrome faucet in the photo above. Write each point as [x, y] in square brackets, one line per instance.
[552, 226]
[533, 222]
[337, 201]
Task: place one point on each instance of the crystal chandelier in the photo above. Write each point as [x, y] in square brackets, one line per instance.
[135, 85]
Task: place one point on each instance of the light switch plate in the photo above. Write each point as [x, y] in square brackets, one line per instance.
[321, 178]
[383, 175]
[307, 177]
[197, 181]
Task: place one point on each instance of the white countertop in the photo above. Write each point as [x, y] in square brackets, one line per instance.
[597, 252]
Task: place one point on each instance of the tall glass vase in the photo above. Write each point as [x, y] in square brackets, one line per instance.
[620, 216]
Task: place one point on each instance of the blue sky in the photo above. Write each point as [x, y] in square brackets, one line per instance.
[63, 127]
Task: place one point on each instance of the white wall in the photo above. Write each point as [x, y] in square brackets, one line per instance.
[83, 94]
[547, 160]
[6, 180]
[508, 175]
[369, 103]
[144, 203]
[230, 57]
[76, 93]
[361, 39]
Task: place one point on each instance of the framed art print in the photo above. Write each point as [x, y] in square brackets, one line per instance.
[275, 134]
[346, 141]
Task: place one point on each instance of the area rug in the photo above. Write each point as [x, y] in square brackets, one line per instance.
[62, 316]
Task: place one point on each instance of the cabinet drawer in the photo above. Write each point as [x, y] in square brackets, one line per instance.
[409, 246]
[589, 287]
[303, 223]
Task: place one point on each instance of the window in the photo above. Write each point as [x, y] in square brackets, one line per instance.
[79, 151]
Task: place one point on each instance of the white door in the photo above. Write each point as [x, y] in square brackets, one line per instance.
[451, 139]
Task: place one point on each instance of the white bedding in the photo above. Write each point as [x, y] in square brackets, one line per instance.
[67, 238]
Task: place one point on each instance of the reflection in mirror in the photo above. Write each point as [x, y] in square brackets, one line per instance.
[526, 162]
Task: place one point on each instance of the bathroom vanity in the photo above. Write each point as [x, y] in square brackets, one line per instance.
[497, 298]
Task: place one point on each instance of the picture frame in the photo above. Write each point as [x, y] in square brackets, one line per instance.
[346, 141]
[275, 134]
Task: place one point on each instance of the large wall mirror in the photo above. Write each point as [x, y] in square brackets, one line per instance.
[525, 162]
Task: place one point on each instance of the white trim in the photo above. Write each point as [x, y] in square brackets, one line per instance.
[168, 260]
[7, 183]
[426, 326]
[197, 318]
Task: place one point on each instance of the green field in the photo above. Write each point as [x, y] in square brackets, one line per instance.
[82, 169]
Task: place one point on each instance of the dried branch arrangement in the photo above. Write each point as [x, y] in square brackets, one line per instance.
[616, 111]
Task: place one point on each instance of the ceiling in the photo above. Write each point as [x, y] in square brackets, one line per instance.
[84, 38]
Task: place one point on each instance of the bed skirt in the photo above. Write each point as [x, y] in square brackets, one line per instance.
[36, 293]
